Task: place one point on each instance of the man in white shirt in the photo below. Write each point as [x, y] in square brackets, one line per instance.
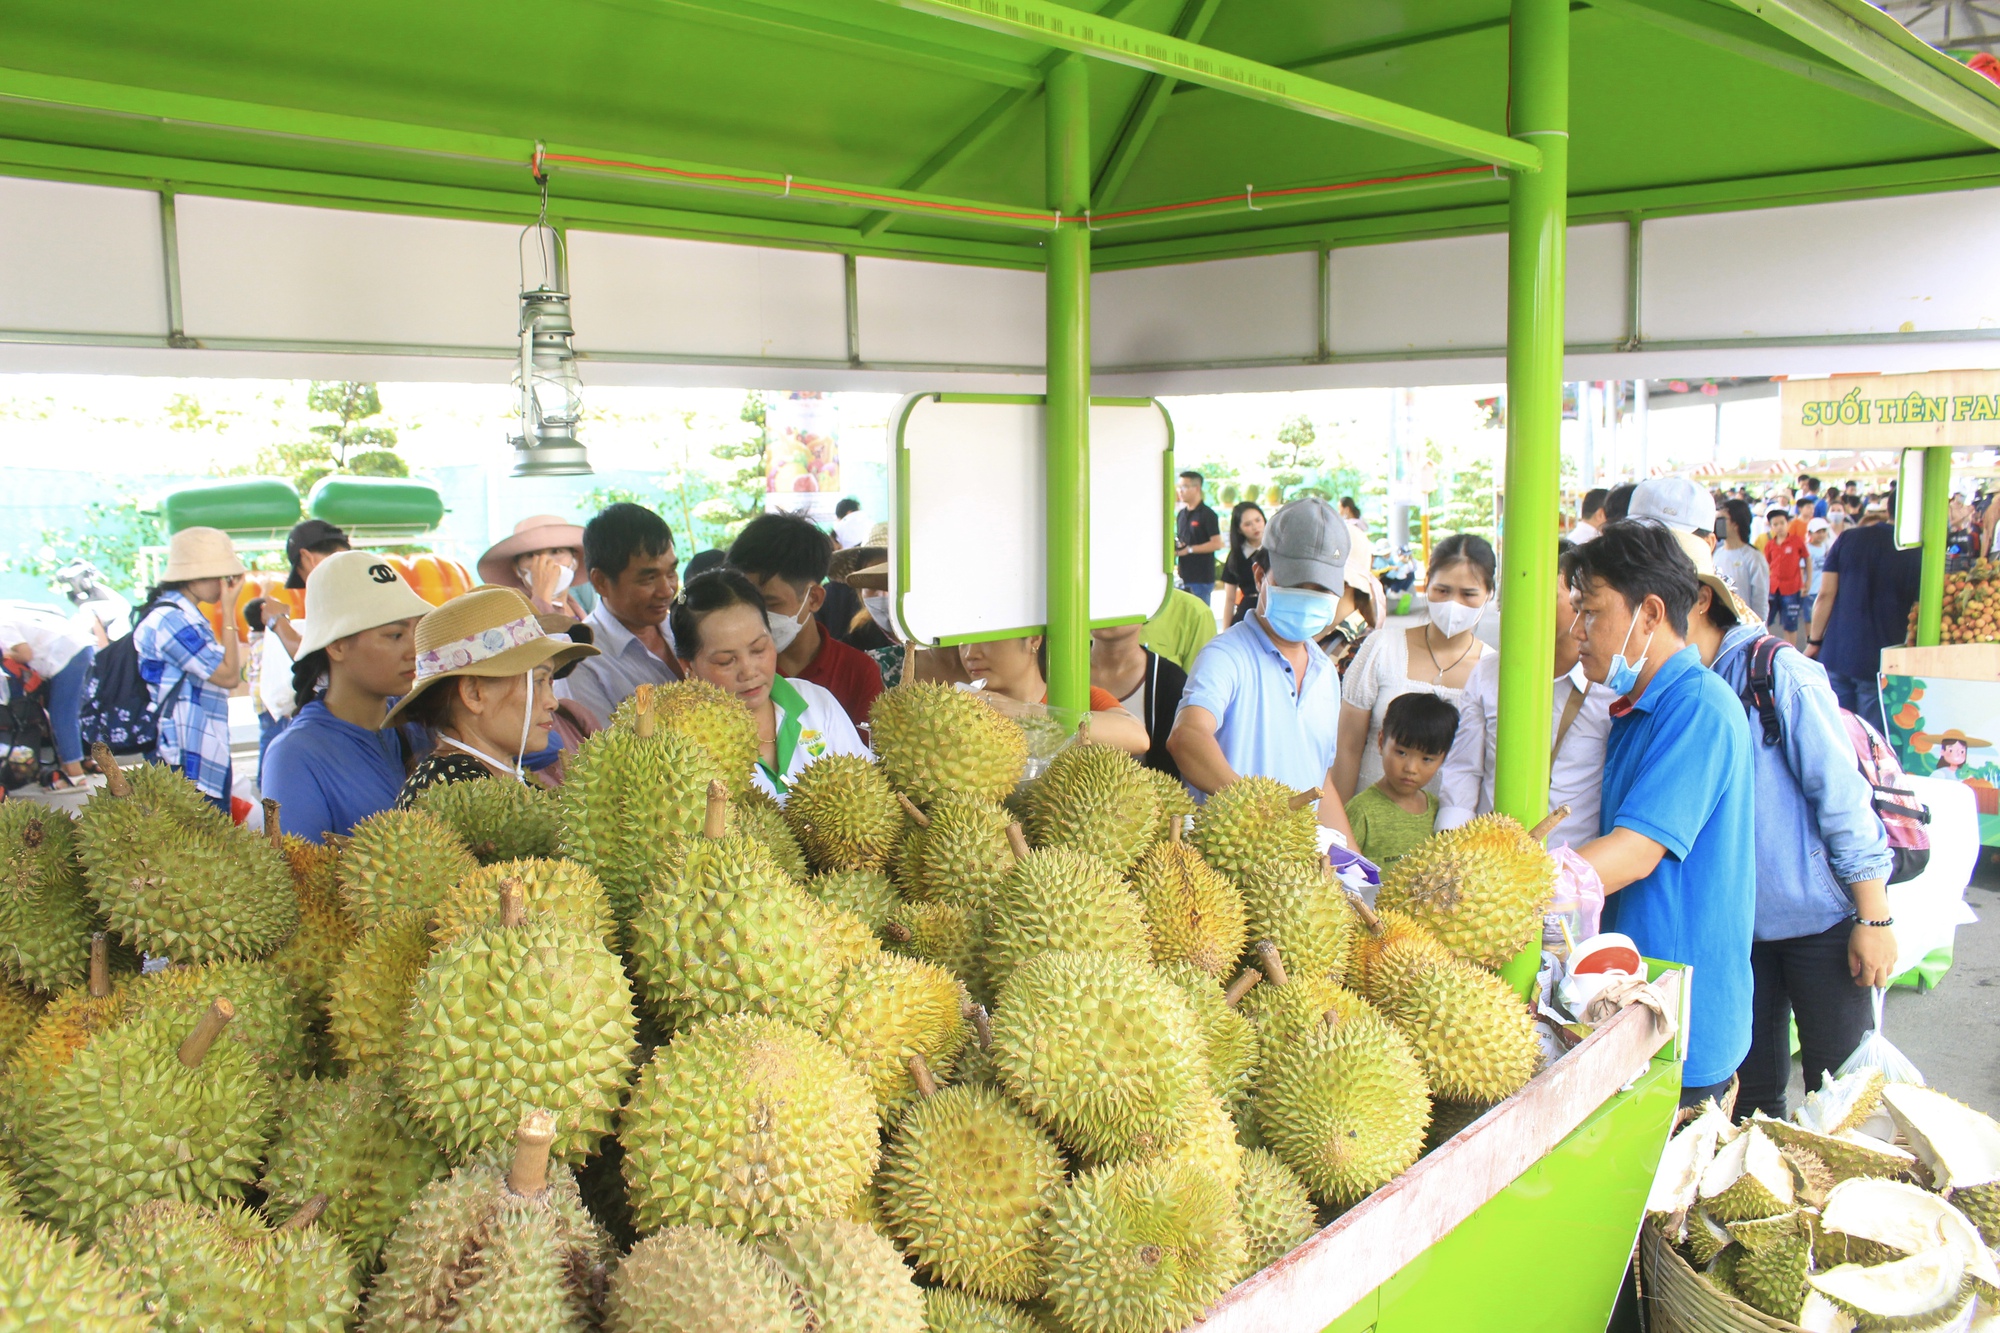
[629, 552]
[1577, 732]
[850, 525]
[1591, 510]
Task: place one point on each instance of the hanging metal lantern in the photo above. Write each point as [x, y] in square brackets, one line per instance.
[549, 391]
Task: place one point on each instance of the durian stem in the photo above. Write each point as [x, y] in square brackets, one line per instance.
[715, 823]
[1246, 981]
[1017, 842]
[1174, 829]
[1541, 831]
[1331, 1018]
[1303, 799]
[1274, 966]
[307, 1214]
[115, 781]
[513, 904]
[215, 1018]
[100, 966]
[1083, 730]
[921, 1072]
[1366, 913]
[898, 933]
[272, 830]
[917, 817]
[644, 722]
[529, 1173]
[982, 1024]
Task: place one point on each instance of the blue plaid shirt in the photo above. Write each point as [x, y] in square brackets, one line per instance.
[176, 645]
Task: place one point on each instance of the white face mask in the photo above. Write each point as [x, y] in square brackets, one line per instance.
[784, 629]
[1454, 618]
[878, 609]
[564, 578]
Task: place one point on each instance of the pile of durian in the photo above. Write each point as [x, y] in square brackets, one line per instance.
[922, 1049]
[1874, 1207]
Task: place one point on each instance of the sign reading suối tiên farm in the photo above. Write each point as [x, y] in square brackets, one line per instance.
[1957, 409]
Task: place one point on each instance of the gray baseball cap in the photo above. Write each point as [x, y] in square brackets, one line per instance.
[1677, 502]
[1308, 542]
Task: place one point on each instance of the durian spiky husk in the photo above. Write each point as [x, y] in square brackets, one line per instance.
[1747, 1179]
[1473, 1036]
[1143, 1245]
[851, 1276]
[628, 799]
[1229, 1039]
[1176, 806]
[175, 878]
[400, 861]
[1102, 1049]
[1481, 888]
[202, 1268]
[45, 921]
[1094, 799]
[866, 894]
[372, 990]
[268, 1023]
[952, 937]
[1841, 1104]
[967, 1184]
[748, 1123]
[1845, 1157]
[960, 857]
[497, 818]
[562, 889]
[511, 1018]
[763, 819]
[20, 1008]
[472, 1254]
[312, 956]
[1251, 823]
[48, 1282]
[1282, 1013]
[1903, 1219]
[695, 1279]
[948, 1311]
[1194, 914]
[59, 1032]
[1401, 934]
[933, 740]
[720, 724]
[1771, 1272]
[1277, 1212]
[1344, 1105]
[1920, 1292]
[1061, 899]
[844, 814]
[886, 1010]
[1301, 909]
[352, 1140]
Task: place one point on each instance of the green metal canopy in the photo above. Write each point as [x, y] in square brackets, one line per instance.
[915, 127]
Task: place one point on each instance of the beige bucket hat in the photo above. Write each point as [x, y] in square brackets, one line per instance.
[1704, 569]
[353, 591]
[201, 553]
[488, 632]
[541, 532]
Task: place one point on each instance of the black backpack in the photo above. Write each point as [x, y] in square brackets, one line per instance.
[117, 705]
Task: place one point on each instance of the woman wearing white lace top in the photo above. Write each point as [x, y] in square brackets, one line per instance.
[1435, 657]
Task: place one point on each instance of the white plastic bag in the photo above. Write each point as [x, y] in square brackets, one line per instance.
[1875, 1052]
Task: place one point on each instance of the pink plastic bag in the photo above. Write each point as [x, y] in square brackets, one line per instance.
[1578, 898]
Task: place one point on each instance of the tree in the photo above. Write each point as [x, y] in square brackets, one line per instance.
[1295, 459]
[739, 495]
[1468, 504]
[114, 533]
[340, 445]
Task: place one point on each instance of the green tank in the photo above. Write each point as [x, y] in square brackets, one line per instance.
[258, 505]
[376, 502]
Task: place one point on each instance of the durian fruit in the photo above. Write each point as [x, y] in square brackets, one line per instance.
[1480, 888]
[45, 922]
[1473, 1035]
[1277, 1212]
[1176, 806]
[866, 894]
[500, 1245]
[372, 991]
[629, 796]
[268, 1024]
[58, 1032]
[844, 814]
[695, 1279]
[1677, 1180]
[844, 937]
[1193, 914]
[949, 1311]
[1302, 909]
[957, 852]
[967, 1184]
[851, 1276]
[1842, 1104]
[716, 721]
[20, 1008]
[1706, 1238]
[1291, 1004]
[1844, 1156]
[1255, 822]
[762, 819]
[1209, 1139]
[498, 819]
[1924, 1291]
[225, 1267]
[1958, 1145]
[1777, 1255]
[1094, 799]
[1383, 932]
[1142, 1245]
[562, 889]
[174, 877]
[352, 1141]
[724, 931]
[400, 861]
[933, 740]
[1229, 1039]
[190, 1115]
[1060, 899]
[1344, 1104]
[312, 956]
[890, 1010]
[952, 937]
[748, 1123]
[1747, 1179]
[47, 1282]
[1103, 1050]
[529, 1011]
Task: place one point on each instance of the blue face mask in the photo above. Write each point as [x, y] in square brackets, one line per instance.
[1299, 614]
[1623, 677]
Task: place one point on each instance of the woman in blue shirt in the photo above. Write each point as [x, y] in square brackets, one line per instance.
[335, 765]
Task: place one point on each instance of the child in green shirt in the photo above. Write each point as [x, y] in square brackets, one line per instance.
[1396, 813]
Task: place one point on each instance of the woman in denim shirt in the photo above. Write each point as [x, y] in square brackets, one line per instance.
[1822, 937]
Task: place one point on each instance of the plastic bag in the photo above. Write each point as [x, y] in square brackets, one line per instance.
[1578, 902]
[1875, 1052]
[1050, 730]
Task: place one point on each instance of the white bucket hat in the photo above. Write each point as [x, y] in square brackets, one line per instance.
[201, 553]
[354, 591]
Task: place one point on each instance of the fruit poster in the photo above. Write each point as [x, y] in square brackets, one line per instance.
[804, 444]
[1944, 728]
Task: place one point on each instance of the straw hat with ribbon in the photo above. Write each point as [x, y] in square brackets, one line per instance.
[200, 553]
[542, 532]
[488, 632]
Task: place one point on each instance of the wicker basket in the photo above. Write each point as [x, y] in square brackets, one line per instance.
[1679, 1300]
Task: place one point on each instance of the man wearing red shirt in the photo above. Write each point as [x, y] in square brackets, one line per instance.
[787, 557]
[1786, 552]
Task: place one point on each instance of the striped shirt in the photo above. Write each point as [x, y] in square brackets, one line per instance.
[176, 647]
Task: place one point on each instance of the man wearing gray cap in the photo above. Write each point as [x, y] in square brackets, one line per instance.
[1263, 699]
[1679, 503]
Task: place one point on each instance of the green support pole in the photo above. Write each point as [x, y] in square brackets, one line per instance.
[1937, 523]
[1068, 462]
[1537, 211]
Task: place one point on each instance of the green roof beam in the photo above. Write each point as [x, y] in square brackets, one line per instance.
[1146, 109]
[1067, 29]
[856, 29]
[1881, 50]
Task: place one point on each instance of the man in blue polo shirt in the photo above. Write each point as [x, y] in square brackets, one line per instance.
[1263, 698]
[1676, 851]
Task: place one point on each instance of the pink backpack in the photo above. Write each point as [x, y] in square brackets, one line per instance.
[1903, 815]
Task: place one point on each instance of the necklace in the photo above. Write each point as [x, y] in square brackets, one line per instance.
[1443, 670]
